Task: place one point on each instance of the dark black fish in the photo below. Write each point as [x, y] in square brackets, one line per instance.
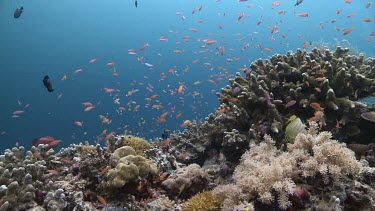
[298, 2]
[18, 12]
[165, 134]
[136, 3]
[47, 83]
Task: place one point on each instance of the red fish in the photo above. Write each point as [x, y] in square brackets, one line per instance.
[46, 140]
[144, 46]
[93, 60]
[18, 112]
[290, 103]
[77, 71]
[108, 90]
[366, 19]
[316, 106]
[303, 15]
[348, 31]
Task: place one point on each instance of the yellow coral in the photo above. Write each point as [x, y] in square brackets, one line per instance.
[204, 201]
[138, 144]
[89, 149]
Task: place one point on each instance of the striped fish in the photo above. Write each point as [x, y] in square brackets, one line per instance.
[293, 128]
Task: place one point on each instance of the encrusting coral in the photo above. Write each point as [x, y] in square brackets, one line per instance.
[266, 173]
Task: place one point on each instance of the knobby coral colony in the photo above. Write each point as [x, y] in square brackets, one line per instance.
[276, 97]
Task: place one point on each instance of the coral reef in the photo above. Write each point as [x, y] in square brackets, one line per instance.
[320, 85]
[238, 159]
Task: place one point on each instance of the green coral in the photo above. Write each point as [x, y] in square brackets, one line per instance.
[204, 201]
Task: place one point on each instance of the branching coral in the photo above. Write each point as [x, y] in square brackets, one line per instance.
[22, 178]
[271, 91]
[203, 201]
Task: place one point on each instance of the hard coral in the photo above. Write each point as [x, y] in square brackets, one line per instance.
[22, 177]
[186, 181]
[138, 144]
[129, 167]
[254, 104]
[203, 201]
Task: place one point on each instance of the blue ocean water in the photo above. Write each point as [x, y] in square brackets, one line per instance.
[58, 38]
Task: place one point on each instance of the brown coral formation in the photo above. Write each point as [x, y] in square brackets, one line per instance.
[330, 83]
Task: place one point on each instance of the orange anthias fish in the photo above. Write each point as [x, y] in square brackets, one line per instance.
[107, 168]
[78, 123]
[316, 106]
[52, 171]
[240, 16]
[348, 30]
[161, 120]
[179, 89]
[290, 103]
[268, 49]
[109, 135]
[88, 108]
[366, 19]
[102, 200]
[93, 60]
[303, 15]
